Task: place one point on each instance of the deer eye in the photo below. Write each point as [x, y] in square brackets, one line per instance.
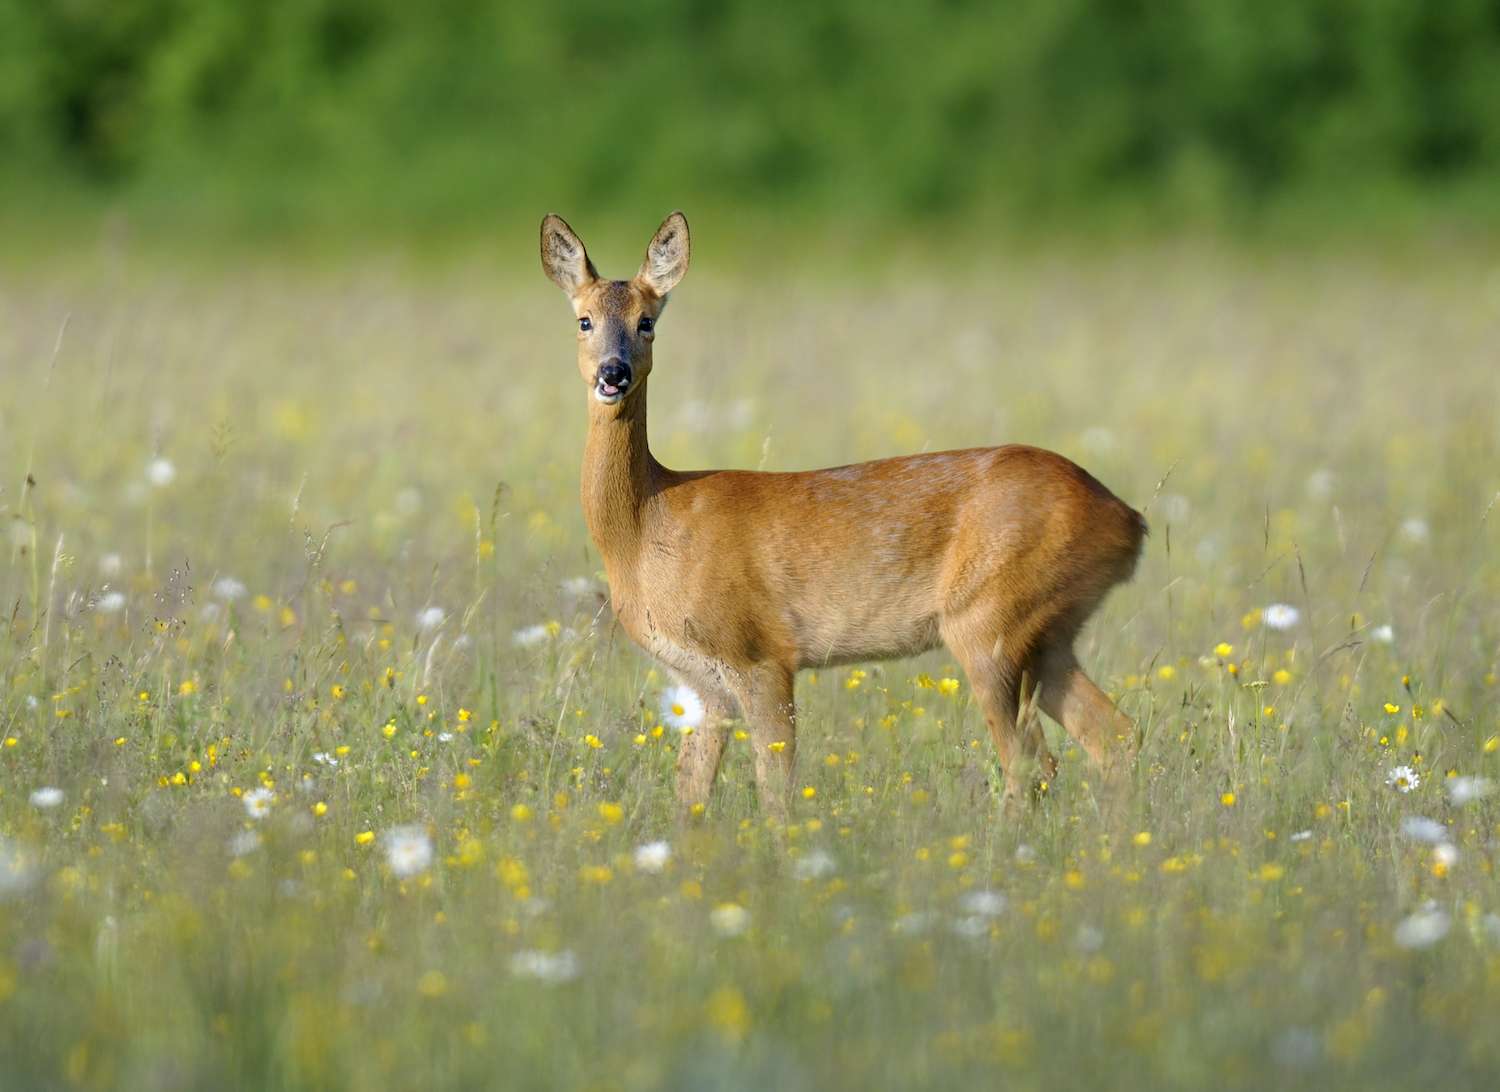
[647, 324]
[585, 324]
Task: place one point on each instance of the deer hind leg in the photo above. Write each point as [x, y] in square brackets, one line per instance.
[765, 693]
[699, 754]
[1070, 697]
[996, 677]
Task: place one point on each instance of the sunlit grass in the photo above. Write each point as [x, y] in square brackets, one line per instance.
[322, 765]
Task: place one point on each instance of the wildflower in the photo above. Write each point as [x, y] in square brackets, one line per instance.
[258, 802]
[611, 813]
[520, 813]
[1280, 616]
[408, 850]
[1415, 530]
[1143, 838]
[1424, 928]
[364, 837]
[1392, 709]
[681, 707]
[729, 919]
[1166, 672]
[809, 792]
[815, 865]
[1383, 634]
[1223, 650]
[553, 968]
[46, 797]
[1227, 799]
[530, 636]
[1301, 836]
[320, 809]
[1403, 779]
[983, 904]
[160, 472]
[110, 603]
[653, 857]
[1281, 677]
[1421, 829]
[947, 686]
[429, 618]
[323, 758]
[229, 589]
[1465, 790]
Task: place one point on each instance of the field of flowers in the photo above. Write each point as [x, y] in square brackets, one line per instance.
[322, 765]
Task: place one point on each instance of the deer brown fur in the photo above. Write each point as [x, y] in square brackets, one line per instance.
[736, 580]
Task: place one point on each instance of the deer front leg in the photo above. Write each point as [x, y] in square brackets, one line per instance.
[700, 752]
[765, 696]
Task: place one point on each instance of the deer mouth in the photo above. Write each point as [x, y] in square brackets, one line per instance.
[611, 386]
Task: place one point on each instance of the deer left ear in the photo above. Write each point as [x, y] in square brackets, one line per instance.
[666, 256]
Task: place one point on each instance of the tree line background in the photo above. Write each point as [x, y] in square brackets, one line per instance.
[404, 115]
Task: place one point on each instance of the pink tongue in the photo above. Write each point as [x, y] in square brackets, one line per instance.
[610, 388]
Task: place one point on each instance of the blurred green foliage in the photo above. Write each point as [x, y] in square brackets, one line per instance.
[371, 109]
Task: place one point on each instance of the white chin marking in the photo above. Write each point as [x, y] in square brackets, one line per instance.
[608, 399]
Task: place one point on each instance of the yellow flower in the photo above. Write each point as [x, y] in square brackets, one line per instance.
[1223, 650]
[1227, 799]
[947, 686]
[777, 747]
[808, 792]
[389, 731]
[1282, 676]
[611, 813]
[320, 809]
[520, 813]
[640, 739]
[462, 781]
[364, 837]
[187, 687]
[1143, 838]
[1392, 709]
[432, 984]
[338, 691]
[1165, 672]
[593, 741]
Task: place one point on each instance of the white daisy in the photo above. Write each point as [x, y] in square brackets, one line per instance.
[1465, 790]
[1383, 634]
[815, 865]
[160, 472]
[983, 904]
[111, 602]
[552, 968]
[1403, 779]
[1445, 854]
[430, 618]
[1424, 928]
[1280, 616]
[1302, 836]
[530, 636]
[653, 857]
[323, 758]
[258, 802]
[229, 589]
[1415, 529]
[1419, 828]
[681, 708]
[46, 797]
[729, 919]
[408, 850]
[1320, 483]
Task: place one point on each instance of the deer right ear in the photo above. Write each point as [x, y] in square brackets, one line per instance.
[564, 258]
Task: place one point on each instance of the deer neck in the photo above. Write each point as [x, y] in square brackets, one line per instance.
[617, 478]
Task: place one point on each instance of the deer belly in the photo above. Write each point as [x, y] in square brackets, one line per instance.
[875, 628]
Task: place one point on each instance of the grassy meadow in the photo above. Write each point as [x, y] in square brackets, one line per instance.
[322, 765]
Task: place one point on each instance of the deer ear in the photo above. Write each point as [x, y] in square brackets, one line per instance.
[666, 255]
[564, 258]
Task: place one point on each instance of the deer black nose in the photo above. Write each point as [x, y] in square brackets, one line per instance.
[614, 373]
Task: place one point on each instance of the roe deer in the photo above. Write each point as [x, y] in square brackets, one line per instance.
[735, 580]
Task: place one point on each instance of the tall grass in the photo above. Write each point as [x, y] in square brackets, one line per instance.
[370, 606]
